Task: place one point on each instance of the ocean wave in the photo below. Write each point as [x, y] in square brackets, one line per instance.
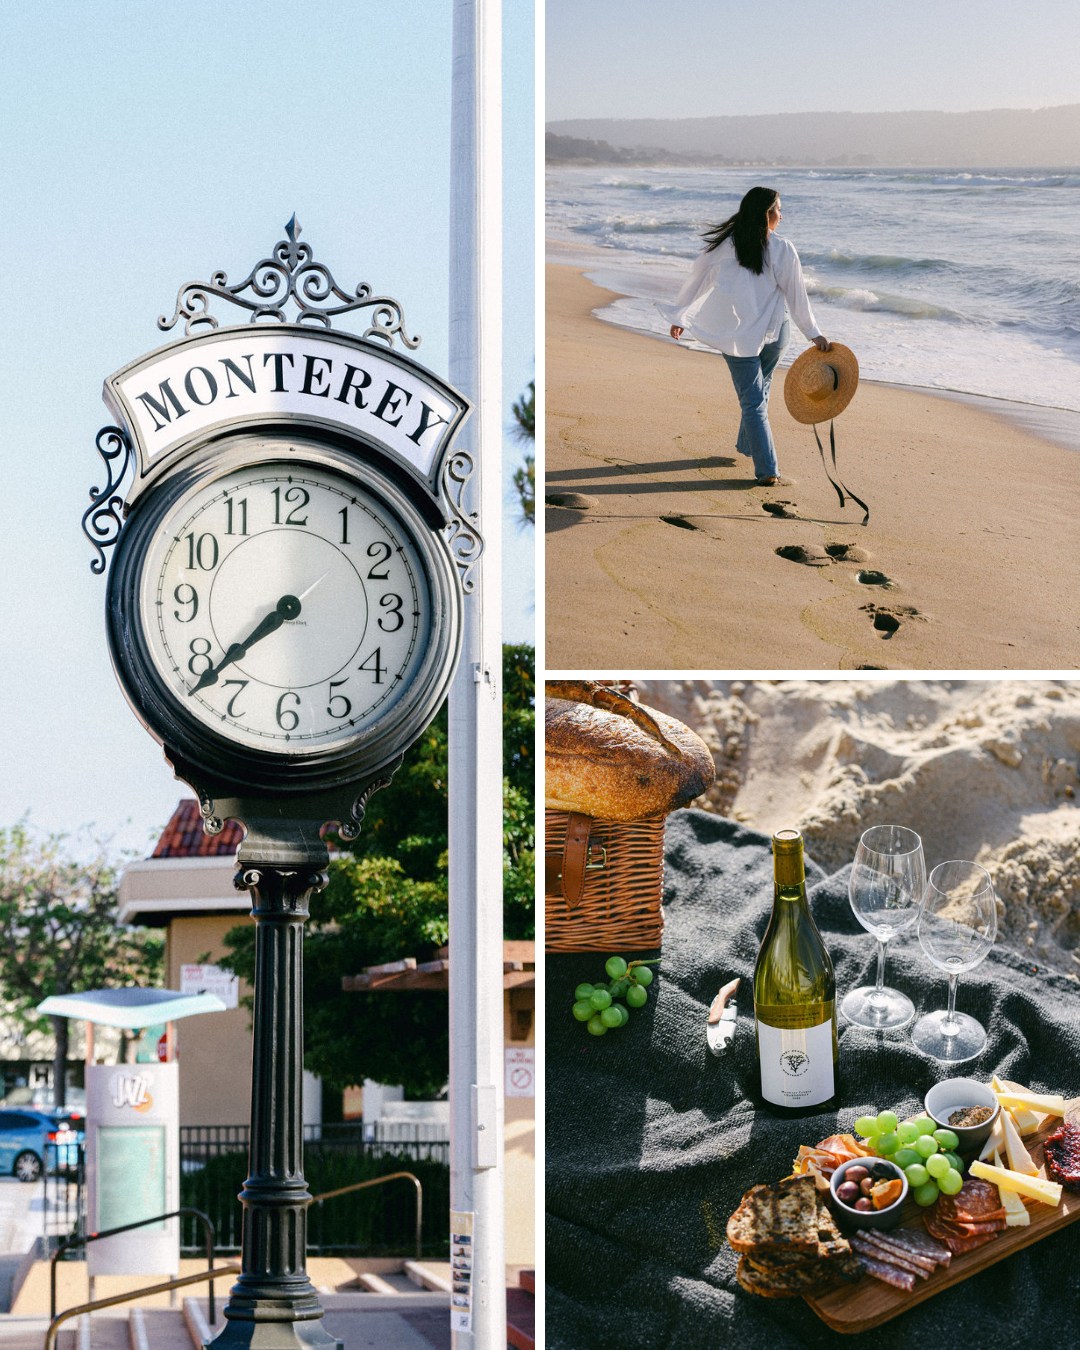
[877, 262]
[858, 297]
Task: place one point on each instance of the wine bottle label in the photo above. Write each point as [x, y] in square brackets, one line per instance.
[796, 1064]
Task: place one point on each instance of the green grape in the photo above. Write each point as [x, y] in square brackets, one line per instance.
[926, 1194]
[612, 1017]
[906, 1157]
[925, 1145]
[601, 999]
[907, 1133]
[596, 1025]
[947, 1139]
[886, 1122]
[924, 1125]
[583, 990]
[615, 967]
[951, 1182]
[887, 1143]
[618, 988]
[866, 1126]
[636, 996]
[583, 1010]
[621, 1009]
[917, 1175]
[937, 1165]
[955, 1161]
[642, 974]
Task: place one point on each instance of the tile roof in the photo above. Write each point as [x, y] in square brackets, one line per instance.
[184, 836]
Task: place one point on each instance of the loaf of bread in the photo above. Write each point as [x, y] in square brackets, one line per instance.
[610, 757]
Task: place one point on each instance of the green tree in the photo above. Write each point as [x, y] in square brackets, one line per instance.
[387, 898]
[59, 934]
[524, 411]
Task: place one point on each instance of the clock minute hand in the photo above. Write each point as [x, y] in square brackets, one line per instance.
[288, 607]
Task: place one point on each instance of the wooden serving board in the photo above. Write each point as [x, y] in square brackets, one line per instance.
[868, 1303]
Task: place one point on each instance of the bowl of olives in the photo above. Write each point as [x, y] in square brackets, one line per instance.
[868, 1193]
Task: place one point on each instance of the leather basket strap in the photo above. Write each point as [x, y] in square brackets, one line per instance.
[565, 872]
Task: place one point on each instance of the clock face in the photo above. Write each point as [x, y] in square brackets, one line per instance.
[285, 606]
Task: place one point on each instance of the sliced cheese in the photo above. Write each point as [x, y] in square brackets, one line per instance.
[1049, 1105]
[1020, 1160]
[995, 1140]
[1027, 1122]
[1049, 1192]
[1016, 1213]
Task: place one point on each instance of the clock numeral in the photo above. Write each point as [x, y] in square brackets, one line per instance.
[236, 511]
[200, 651]
[374, 665]
[190, 601]
[380, 551]
[298, 495]
[231, 709]
[344, 706]
[344, 514]
[202, 552]
[288, 719]
[392, 605]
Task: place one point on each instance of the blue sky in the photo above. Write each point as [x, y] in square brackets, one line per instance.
[702, 58]
[148, 145]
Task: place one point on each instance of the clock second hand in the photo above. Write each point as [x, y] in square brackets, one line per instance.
[288, 607]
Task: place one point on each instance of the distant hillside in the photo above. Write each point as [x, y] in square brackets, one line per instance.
[1043, 137]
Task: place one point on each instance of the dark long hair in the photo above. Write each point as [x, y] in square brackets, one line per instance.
[748, 228]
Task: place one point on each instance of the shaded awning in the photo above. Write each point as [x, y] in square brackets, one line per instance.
[130, 1009]
[519, 971]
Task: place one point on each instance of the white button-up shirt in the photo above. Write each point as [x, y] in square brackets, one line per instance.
[726, 306]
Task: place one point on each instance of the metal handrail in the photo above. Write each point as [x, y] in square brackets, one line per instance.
[84, 1240]
[110, 1302]
[378, 1181]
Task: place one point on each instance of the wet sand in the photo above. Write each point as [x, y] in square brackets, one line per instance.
[668, 557]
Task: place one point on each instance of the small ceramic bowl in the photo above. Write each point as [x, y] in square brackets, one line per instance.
[953, 1094]
[850, 1218]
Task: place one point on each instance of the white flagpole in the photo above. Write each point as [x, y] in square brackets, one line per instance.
[475, 776]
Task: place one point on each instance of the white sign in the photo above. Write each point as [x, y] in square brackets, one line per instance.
[195, 979]
[240, 377]
[520, 1066]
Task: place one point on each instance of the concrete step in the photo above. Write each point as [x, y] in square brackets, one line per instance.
[157, 1329]
[433, 1275]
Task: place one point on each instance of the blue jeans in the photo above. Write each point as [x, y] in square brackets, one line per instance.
[752, 376]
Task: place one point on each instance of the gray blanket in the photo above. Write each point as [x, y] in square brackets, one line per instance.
[651, 1140]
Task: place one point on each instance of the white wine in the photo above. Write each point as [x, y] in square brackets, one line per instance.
[794, 994]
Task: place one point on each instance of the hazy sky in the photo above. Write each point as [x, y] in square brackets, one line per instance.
[700, 58]
[145, 146]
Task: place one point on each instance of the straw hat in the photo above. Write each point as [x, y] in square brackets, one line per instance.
[819, 385]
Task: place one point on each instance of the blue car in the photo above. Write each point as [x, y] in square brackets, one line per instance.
[31, 1140]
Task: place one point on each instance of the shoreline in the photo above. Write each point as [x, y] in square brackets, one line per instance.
[1057, 425]
[972, 521]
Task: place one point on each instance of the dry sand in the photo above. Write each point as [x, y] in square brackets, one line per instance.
[983, 770]
[973, 519]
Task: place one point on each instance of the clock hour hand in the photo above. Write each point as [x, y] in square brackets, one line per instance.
[288, 607]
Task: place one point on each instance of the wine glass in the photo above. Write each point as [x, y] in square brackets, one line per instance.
[888, 879]
[957, 927]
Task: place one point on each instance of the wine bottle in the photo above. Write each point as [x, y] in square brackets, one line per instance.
[794, 995]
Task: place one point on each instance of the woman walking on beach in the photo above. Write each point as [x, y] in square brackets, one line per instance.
[734, 300]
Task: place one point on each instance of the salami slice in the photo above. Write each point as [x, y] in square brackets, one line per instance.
[960, 1245]
[888, 1274]
[865, 1245]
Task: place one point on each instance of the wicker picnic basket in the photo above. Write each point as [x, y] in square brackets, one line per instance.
[614, 770]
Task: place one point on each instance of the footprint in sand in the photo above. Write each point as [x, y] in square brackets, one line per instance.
[786, 510]
[888, 621]
[868, 577]
[812, 555]
[574, 501]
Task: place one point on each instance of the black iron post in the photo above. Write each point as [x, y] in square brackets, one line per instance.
[273, 1305]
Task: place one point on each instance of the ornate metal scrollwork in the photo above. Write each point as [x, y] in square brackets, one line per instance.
[350, 829]
[462, 535]
[289, 274]
[101, 520]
